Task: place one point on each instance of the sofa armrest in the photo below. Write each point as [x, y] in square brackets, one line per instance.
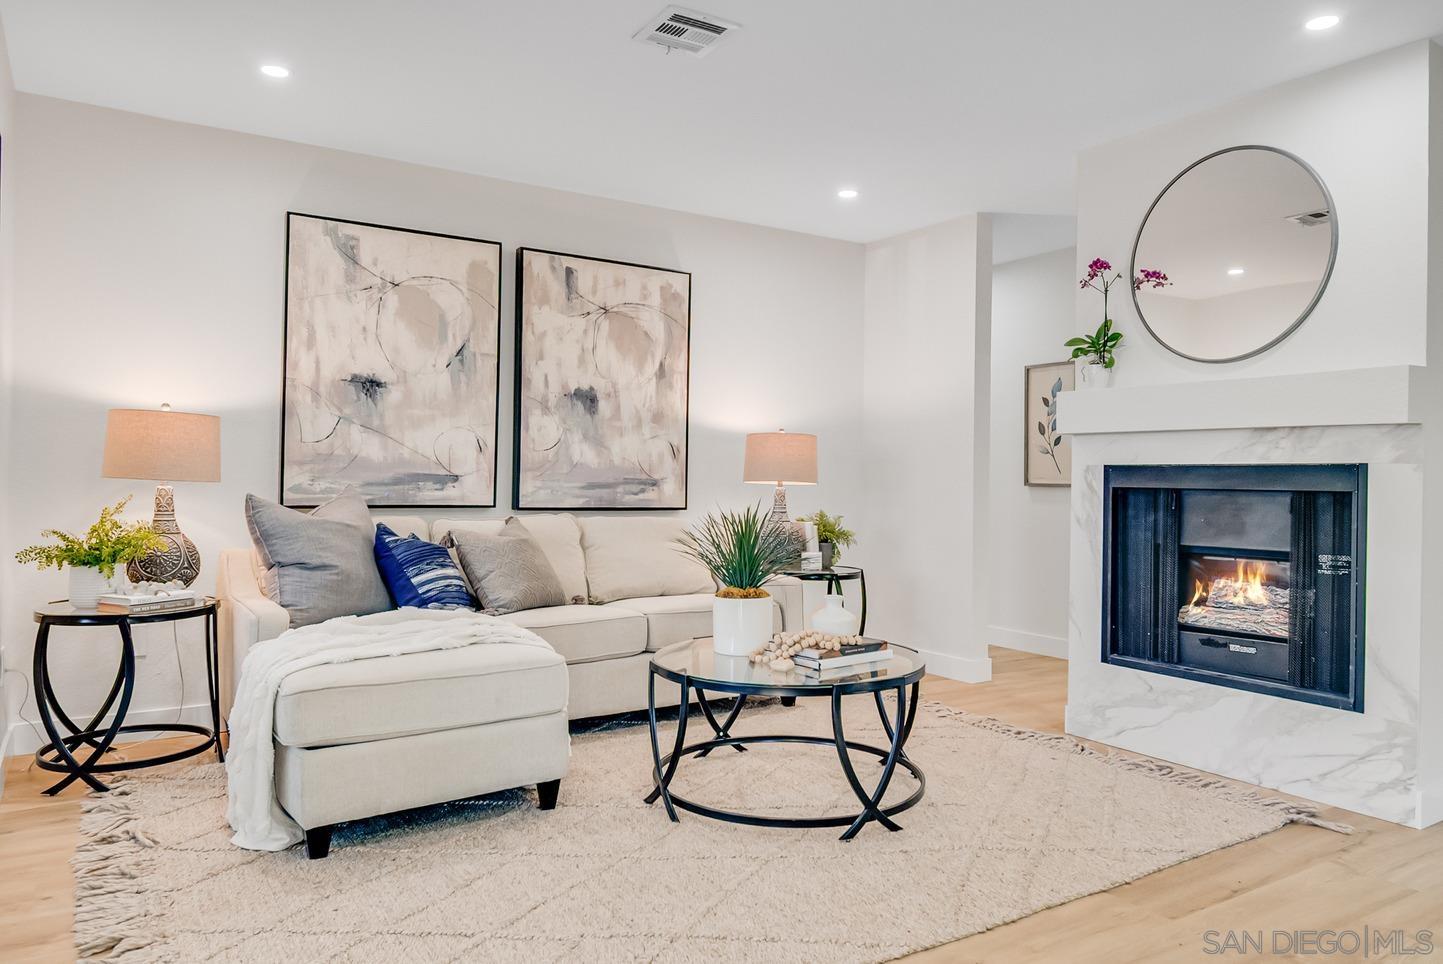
[246, 617]
[787, 591]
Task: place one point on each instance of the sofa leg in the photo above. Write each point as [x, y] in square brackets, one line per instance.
[548, 792]
[318, 842]
[789, 701]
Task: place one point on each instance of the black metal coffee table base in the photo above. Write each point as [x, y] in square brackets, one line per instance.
[665, 765]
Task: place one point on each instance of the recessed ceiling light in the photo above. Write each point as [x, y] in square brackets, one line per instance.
[1322, 23]
[847, 193]
[276, 71]
[1235, 271]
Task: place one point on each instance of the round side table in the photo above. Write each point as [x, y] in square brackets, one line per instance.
[60, 754]
[834, 577]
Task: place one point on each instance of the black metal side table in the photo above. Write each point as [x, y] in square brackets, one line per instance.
[834, 577]
[60, 754]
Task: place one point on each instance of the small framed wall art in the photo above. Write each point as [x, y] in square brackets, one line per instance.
[392, 348]
[1046, 455]
[602, 368]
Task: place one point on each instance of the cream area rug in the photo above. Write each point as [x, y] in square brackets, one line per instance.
[1013, 821]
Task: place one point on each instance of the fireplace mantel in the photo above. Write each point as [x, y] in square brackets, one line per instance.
[1390, 395]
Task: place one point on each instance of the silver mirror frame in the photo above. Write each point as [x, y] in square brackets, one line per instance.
[1322, 284]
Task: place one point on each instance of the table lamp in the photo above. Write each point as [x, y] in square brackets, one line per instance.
[166, 447]
[781, 458]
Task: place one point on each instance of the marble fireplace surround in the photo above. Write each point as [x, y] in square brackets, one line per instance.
[1371, 762]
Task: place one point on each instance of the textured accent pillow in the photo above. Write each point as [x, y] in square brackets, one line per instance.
[636, 556]
[508, 570]
[319, 564]
[419, 573]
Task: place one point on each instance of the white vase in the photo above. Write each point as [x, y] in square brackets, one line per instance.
[834, 618]
[740, 627]
[86, 585]
[1092, 375]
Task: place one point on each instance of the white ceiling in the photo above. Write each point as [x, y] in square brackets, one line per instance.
[931, 108]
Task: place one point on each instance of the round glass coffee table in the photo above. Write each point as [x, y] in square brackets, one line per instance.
[694, 665]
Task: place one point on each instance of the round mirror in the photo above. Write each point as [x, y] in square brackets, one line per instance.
[1242, 242]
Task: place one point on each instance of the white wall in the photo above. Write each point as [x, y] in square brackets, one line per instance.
[7, 287]
[1364, 128]
[1025, 580]
[152, 268]
[925, 401]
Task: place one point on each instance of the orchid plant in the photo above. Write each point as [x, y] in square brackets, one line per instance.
[1100, 346]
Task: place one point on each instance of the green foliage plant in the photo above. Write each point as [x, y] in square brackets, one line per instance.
[108, 543]
[830, 529]
[741, 550]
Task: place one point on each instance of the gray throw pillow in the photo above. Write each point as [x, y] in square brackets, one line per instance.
[508, 571]
[319, 564]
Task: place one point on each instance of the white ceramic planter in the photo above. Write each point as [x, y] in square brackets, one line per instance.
[86, 585]
[1091, 376]
[740, 627]
[832, 617]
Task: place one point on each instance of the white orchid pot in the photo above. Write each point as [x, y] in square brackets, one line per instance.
[836, 619]
[740, 627]
[1092, 375]
[86, 585]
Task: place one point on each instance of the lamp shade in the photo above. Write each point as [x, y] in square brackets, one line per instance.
[781, 458]
[161, 445]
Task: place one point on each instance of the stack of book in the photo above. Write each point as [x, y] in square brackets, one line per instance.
[135, 603]
[854, 659]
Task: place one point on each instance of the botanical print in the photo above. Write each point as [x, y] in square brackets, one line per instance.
[391, 365]
[601, 386]
[1047, 455]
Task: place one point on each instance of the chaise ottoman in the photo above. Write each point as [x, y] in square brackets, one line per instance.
[376, 736]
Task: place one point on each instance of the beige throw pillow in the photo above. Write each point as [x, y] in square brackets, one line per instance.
[508, 571]
[628, 557]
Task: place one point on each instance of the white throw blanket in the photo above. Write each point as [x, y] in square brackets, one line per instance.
[255, 816]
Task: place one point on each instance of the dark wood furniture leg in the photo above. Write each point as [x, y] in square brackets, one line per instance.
[789, 701]
[318, 842]
[548, 792]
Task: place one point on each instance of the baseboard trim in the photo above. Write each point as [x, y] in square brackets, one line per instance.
[23, 740]
[1009, 638]
[964, 669]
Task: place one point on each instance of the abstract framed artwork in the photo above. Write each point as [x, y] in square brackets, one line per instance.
[1046, 455]
[392, 349]
[602, 368]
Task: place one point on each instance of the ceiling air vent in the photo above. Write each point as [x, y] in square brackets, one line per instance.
[1309, 218]
[677, 28]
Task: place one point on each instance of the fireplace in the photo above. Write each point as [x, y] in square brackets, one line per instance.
[1244, 576]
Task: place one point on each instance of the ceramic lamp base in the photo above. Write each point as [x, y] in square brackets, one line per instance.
[180, 560]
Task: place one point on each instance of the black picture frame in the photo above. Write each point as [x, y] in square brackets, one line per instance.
[517, 382]
[285, 358]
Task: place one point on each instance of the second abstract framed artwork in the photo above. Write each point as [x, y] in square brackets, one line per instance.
[602, 370]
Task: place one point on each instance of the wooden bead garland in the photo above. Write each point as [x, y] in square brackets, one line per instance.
[783, 646]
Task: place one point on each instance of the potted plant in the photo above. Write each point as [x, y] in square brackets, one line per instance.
[832, 537]
[93, 557]
[741, 550]
[1095, 354]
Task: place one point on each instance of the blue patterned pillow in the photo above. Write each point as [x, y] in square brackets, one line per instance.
[419, 573]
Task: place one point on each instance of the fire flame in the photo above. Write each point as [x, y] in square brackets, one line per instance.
[1249, 589]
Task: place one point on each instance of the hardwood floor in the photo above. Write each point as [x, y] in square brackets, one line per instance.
[1298, 879]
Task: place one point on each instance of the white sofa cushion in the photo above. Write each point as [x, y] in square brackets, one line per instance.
[376, 699]
[670, 619]
[557, 533]
[630, 556]
[405, 525]
[585, 633]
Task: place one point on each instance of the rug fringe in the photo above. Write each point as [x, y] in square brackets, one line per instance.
[1206, 782]
[113, 919]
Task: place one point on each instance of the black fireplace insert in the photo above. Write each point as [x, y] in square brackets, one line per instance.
[1249, 576]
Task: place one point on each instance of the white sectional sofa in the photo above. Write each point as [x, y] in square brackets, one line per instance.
[644, 594]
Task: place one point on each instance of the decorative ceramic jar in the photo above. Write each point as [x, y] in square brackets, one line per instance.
[1092, 375]
[740, 627]
[835, 619]
[86, 585]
